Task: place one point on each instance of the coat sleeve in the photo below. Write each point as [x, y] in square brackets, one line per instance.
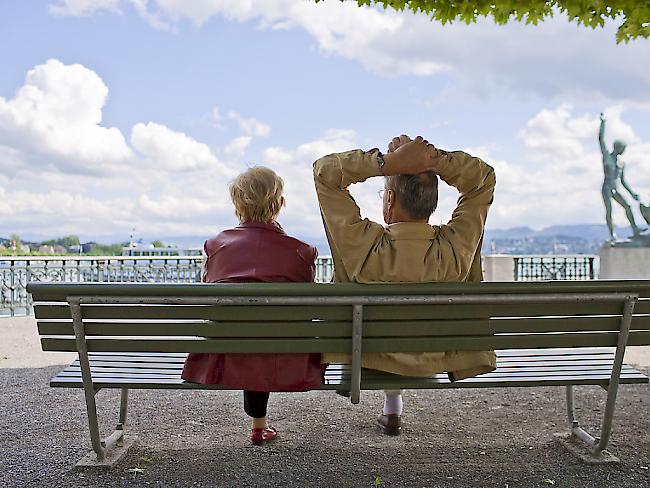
[475, 180]
[311, 254]
[350, 237]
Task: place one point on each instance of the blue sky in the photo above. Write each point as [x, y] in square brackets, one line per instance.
[134, 113]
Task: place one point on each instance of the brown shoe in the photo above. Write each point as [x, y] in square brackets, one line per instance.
[390, 424]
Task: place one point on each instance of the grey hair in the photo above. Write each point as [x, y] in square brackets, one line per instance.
[417, 194]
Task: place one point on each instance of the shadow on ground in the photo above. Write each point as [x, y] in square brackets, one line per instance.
[474, 438]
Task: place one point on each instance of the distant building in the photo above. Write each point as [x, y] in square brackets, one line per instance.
[149, 250]
[87, 247]
[45, 249]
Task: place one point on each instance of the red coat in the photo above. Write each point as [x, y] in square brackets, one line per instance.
[257, 252]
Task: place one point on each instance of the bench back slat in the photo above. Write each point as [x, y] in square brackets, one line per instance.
[371, 328]
[371, 312]
[182, 327]
[392, 344]
[61, 291]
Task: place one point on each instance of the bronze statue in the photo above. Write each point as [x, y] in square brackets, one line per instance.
[645, 212]
[615, 172]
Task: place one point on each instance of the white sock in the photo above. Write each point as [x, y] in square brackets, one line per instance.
[393, 402]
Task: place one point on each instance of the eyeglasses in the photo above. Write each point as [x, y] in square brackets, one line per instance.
[381, 193]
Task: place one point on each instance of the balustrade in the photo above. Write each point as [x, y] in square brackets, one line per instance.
[16, 272]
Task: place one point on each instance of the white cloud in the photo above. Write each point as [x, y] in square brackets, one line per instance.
[173, 150]
[55, 118]
[250, 126]
[559, 181]
[62, 172]
[294, 165]
[555, 58]
[237, 147]
[80, 8]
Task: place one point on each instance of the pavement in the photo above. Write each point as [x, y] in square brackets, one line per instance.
[500, 438]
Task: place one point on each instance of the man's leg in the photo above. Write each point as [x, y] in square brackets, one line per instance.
[393, 403]
[391, 420]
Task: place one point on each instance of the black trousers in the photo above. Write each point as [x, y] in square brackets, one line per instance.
[255, 403]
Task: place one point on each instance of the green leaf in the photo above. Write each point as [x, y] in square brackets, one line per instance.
[634, 15]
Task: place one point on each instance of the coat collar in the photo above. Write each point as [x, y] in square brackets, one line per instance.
[410, 230]
[272, 226]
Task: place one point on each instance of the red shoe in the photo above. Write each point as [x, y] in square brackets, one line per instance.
[260, 436]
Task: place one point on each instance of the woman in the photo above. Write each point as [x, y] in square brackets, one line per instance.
[257, 250]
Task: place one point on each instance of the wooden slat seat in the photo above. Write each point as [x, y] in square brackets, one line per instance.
[545, 367]
[546, 333]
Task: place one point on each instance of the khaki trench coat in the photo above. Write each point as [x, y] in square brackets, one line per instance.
[407, 252]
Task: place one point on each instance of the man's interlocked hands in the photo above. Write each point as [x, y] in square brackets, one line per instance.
[408, 156]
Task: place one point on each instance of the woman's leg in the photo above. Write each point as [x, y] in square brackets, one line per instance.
[255, 403]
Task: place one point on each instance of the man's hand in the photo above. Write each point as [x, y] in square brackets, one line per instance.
[406, 156]
[397, 142]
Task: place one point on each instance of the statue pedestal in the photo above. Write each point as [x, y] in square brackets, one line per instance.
[619, 262]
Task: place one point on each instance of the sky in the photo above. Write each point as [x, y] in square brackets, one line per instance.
[136, 114]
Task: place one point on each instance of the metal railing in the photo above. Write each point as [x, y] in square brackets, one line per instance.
[17, 271]
[555, 267]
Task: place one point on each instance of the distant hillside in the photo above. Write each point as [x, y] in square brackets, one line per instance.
[557, 239]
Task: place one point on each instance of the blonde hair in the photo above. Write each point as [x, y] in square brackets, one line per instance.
[257, 195]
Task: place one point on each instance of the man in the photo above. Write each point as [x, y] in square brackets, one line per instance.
[408, 249]
[615, 172]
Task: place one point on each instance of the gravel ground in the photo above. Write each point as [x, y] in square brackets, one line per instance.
[474, 438]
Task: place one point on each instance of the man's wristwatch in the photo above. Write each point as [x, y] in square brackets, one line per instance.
[380, 161]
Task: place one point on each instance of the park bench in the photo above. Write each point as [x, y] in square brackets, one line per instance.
[546, 334]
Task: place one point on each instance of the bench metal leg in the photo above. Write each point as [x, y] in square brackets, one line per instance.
[100, 447]
[86, 376]
[357, 336]
[597, 445]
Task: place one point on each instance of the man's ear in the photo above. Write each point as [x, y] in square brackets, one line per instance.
[390, 197]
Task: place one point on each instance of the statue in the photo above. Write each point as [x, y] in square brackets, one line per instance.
[615, 172]
[645, 212]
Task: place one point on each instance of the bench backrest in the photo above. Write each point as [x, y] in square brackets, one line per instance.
[297, 317]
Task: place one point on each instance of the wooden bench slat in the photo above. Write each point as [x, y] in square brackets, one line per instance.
[60, 291]
[393, 344]
[500, 371]
[344, 329]
[502, 355]
[501, 364]
[400, 382]
[336, 312]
